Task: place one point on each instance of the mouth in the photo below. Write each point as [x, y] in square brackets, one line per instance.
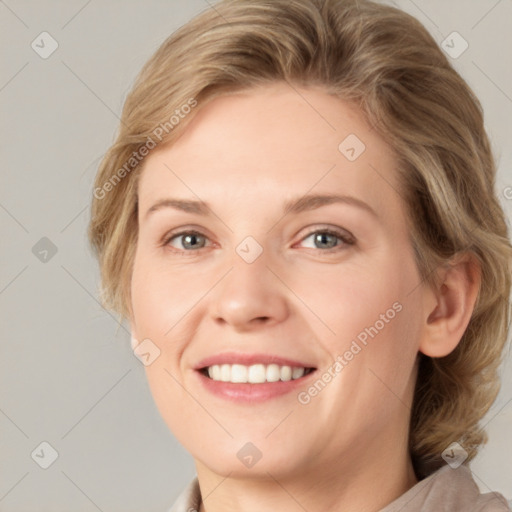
[250, 378]
[255, 373]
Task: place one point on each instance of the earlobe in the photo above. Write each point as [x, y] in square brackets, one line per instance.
[454, 299]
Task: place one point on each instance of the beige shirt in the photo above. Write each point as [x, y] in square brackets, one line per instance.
[446, 490]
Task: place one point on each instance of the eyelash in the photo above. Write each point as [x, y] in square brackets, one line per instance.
[345, 238]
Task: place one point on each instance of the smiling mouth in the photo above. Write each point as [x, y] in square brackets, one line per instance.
[254, 374]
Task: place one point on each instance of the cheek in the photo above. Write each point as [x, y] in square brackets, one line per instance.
[352, 299]
[159, 300]
[371, 308]
[160, 296]
[167, 307]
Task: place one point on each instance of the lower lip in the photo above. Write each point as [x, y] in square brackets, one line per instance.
[247, 392]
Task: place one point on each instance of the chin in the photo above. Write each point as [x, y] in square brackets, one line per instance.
[265, 468]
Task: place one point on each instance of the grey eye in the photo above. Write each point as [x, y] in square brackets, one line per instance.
[190, 240]
[325, 240]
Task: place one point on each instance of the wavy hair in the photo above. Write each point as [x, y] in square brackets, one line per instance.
[386, 63]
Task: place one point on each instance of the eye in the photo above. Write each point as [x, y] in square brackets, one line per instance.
[330, 240]
[187, 240]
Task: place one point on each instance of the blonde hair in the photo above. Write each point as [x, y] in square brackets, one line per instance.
[385, 62]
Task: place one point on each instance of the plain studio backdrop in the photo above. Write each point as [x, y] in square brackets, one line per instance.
[68, 376]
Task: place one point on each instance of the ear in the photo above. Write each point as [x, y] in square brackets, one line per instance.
[450, 304]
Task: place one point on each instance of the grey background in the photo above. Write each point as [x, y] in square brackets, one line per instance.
[67, 373]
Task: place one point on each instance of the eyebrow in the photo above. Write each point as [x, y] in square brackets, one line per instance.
[296, 205]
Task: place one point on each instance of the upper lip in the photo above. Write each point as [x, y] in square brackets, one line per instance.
[248, 360]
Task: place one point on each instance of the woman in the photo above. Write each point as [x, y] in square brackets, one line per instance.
[298, 220]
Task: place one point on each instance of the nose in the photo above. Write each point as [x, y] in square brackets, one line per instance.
[249, 296]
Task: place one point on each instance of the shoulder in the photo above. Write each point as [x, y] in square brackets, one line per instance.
[446, 490]
[189, 498]
[449, 490]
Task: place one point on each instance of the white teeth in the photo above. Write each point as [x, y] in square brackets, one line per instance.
[286, 373]
[238, 373]
[297, 373]
[273, 373]
[257, 373]
[225, 373]
[254, 374]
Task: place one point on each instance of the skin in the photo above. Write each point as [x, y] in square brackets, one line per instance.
[245, 154]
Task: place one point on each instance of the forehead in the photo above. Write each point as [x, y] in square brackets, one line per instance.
[274, 138]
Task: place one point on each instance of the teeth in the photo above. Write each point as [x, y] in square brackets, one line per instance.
[225, 372]
[297, 373]
[286, 373]
[257, 373]
[238, 373]
[254, 374]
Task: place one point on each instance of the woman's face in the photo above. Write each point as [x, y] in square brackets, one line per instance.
[275, 272]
